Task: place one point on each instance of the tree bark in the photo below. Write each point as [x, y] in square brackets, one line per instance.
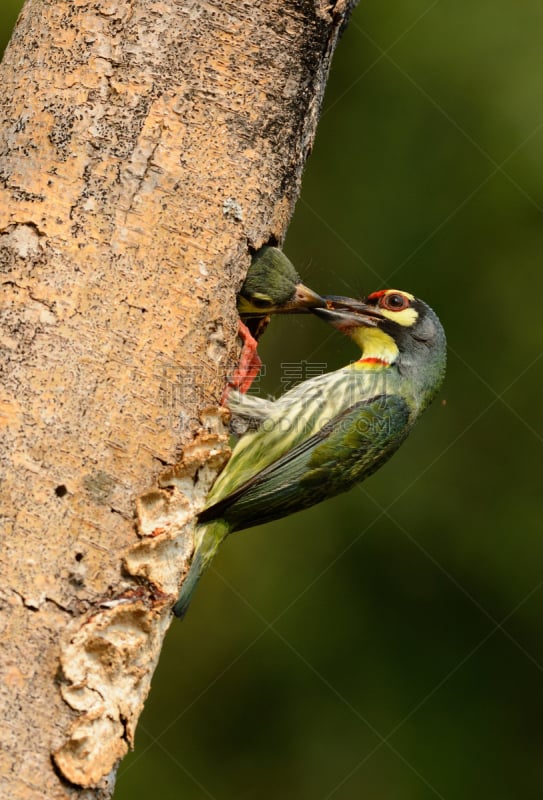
[145, 148]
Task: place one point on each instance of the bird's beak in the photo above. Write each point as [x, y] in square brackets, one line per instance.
[305, 299]
[338, 301]
[346, 312]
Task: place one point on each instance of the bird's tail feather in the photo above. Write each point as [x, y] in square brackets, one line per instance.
[188, 587]
[208, 539]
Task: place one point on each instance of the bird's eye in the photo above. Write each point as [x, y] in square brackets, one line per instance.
[394, 301]
[260, 300]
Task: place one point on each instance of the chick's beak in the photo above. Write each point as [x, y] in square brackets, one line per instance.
[304, 299]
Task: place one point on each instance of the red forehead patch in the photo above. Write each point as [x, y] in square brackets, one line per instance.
[377, 295]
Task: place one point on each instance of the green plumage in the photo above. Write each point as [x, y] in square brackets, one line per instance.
[328, 433]
[360, 439]
[273, 286]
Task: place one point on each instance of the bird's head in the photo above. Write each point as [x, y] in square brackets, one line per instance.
[272, 286]
[390, 327]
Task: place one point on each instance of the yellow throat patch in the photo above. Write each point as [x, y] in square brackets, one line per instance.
[376, 345]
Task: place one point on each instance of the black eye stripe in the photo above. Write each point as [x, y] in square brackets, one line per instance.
[259, 302]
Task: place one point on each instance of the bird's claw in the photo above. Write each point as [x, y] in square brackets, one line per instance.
[248, 367]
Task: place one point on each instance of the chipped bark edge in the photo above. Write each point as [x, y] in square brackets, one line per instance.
[108, 656]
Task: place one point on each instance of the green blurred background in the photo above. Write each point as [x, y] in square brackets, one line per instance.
[389, 643]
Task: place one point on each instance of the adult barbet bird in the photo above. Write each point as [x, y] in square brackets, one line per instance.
[272, 286]
[329, 432]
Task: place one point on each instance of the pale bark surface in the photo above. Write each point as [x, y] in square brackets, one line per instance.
[144, 147]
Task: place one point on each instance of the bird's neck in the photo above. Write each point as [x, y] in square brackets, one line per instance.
[378, 348]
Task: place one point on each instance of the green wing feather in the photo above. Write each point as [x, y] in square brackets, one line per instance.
[345, 450]
[273, 473]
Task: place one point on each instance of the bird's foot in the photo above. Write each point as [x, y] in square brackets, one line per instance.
[248, 367]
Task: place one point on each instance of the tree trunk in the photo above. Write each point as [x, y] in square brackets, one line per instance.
[145, 147]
